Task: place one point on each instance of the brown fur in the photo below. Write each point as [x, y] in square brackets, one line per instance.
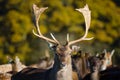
[106, 59]
[108, 74]
[80, 64]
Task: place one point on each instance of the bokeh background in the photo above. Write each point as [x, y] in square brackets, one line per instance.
[16, 24]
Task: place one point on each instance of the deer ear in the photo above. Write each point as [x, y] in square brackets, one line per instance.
[105, 51]
[75, 48]
[105, 55]
[10, 60]
[112, 52]
[17, 60]
[97, 55]
[51, 46]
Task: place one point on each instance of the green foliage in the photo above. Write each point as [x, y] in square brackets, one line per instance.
[16, 25]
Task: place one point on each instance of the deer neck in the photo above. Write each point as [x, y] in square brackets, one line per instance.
[85, 69]
[16, 68]
[17, 65]
[95, 75]
[63, 72]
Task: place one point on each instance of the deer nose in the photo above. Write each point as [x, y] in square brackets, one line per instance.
[63, 64]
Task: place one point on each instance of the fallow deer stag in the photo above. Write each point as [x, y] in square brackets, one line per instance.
[62, 68]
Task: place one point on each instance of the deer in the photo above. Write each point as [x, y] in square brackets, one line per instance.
[44, 62]
[80, 62]
[106, 58]
[62, 67]
[7, 70]
[14, 65]
[17, 65]
[96, 73]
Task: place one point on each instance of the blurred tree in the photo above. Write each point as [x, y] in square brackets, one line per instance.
[16, 26]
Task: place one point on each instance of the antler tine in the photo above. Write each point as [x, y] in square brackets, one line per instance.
[87, 15]
[112, 52]
[67, 37]
[54, 37]
[37, 12]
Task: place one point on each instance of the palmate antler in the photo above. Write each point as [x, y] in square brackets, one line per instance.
[87, 15]
[37, 13]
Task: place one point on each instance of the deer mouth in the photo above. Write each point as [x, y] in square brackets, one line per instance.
[102, 68]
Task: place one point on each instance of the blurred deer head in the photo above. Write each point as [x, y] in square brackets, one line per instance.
[16, 64]
[106, 59]
[95, 63]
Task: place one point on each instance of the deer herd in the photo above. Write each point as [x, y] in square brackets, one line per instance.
[65, 65]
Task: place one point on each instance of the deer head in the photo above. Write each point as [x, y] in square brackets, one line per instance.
[62, 67]
[16, 64]
[106, 59]
[61, 50]
[95, 63]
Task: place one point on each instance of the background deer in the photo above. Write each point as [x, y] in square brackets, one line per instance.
[80, 63]
[62, 67]
[14, 66]
[45, 62]
[7, 70]
[94, 69]
[106, 58]
[96, 74]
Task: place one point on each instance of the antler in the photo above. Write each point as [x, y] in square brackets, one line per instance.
[112, 52]
[37, 12]
[87, 15]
